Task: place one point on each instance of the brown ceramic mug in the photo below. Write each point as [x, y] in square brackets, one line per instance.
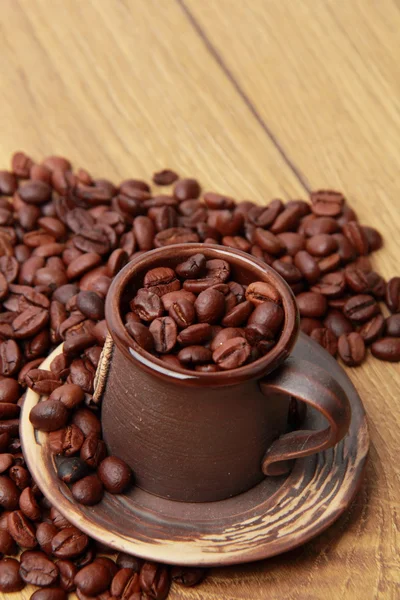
[200, 437]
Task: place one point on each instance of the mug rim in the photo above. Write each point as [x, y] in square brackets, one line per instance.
[155, 366]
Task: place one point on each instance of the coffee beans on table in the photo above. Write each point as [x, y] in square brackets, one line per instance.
[64, 235]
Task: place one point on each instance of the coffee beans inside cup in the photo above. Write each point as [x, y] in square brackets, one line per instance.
[197, 317]
[63, 236]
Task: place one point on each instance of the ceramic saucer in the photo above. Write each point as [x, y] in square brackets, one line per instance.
[275, 516]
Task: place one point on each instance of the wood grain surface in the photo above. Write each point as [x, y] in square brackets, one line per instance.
[259, 99]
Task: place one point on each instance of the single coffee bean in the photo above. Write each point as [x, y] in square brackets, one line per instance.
[195, 334]
[93, 579]
[372, 329]
[20, 476]
[183, 313]
[91, 305]
[69, 395]
[88, 491]
[351, 349]
[37, 569]
[321, 245]
[29, 505]
[209, 306]
[387, 348]
[312, 304]
[186, 188]
[327, 203]
[49, 415]
[10, 358]
[9, 493]
[161, 280]
[165, 177]
[393, 326]
[50, 593]
[93, 451]
[10, 578]
[188, 576]
[114, 474]
[69, 542]
[393, 294]
[58, 519]
[232, 354]
[238, 314]
[356, 236]
[9, 390]
[260, 291]
[325, 338]
[45, 532]
[127, 561]
[21, 529]
[332, 285]
[66, 441]
[72, 469]
[194, 355]
[308, 266]
[67, 571]
[155, 580]
[164, 332]
[42, 382]
[361, 308]
[337, 323]
[87, 422]
[193, 267]
[147, 305]
[125, 583]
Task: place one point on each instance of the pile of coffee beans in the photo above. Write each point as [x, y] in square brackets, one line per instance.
[63, 236]
[195, 317]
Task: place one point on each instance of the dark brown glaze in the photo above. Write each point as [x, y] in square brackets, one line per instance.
[278, 514]
[202, 437]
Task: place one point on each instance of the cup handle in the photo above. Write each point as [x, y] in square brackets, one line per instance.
[317, 388]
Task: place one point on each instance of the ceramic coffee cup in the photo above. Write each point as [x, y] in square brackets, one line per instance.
[200, 437]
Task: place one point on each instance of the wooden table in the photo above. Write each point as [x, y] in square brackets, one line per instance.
[260, 99]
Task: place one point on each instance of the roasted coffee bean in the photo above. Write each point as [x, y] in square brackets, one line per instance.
[268, 241]
[356, 236]
[67, 572]
[10, 358]
[7, 544]
[141, 335]
[87, 422]
[161, 280]
[69, 542]
[165, 177]
[261, 291]
[21, 529]
[327, 203]
[393, 326]
[387, 348]
[168, 299]
[194, 355]
[361, 308]
[193, 267]
[373, 329]
[10, 578]
[188, 576]
[155, 580]
[88, 491]
[66, 441]
[114, 474]
[195, 334]
[6, 461]
[20, 476]
[321, 245]
[42, 382]
[125, 583]
[9, 493]
[289, 272]
[312, 304]
[37, 569]
[58, 519]
[72, 469]
[147, 305]
[183, 313]
[325, 338]
[51, 593]
[45, 533]
[164, 332]
[238, 314]
[9, 390]
[29, 505]
[232, 354]
[93, 451]
[69, 395]
[351, 348]
[175, 235]
[337, 323]
[9, 411]
[91, 305]
[209, 306]
[49, 415]
[93, 579]
[393, 294]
